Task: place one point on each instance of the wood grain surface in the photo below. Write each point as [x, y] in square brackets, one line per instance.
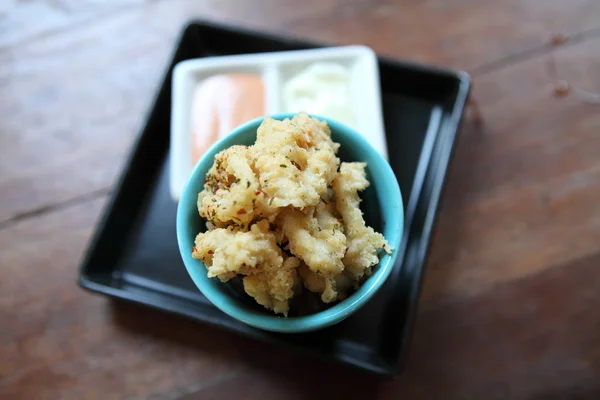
[510, 300]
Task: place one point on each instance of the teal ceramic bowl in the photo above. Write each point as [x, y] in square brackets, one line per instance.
[381, 204]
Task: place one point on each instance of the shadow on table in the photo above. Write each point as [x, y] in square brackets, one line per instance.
[571, 394]
[261, 370]
[462, 182]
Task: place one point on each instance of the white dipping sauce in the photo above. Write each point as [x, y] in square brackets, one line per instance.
[323, 89]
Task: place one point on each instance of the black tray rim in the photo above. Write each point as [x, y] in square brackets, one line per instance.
[454, 124]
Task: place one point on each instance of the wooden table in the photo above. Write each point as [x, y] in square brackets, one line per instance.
[511, 299]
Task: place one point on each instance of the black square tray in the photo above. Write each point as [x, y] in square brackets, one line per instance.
[134, 254]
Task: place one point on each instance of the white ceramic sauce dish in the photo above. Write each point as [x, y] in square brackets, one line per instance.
[337, 82]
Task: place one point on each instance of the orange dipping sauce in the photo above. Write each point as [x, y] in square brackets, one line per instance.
[222, 102]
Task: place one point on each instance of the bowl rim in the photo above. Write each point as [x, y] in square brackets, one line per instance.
[275, 323]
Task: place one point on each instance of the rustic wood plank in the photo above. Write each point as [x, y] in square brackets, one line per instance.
[21, 22]
[525, 184]
[461, 34]
[47, 82]
[533, 339]
[26, 20]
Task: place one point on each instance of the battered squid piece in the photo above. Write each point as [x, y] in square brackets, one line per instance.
[327, 225]
[327, 222]
[318, 240]
[318, 132]
[330, 288]
[231, 191]
[363, 242]
[295, 159]
[255, 253]
[318, 283]
[273, 287]
[322, 163]
[226, 252]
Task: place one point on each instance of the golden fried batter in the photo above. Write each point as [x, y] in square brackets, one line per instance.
[272, 287]
[363, 242]
[231, 192]
[224, 250]
[316, 238]
[284, 195]
[295, 160]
